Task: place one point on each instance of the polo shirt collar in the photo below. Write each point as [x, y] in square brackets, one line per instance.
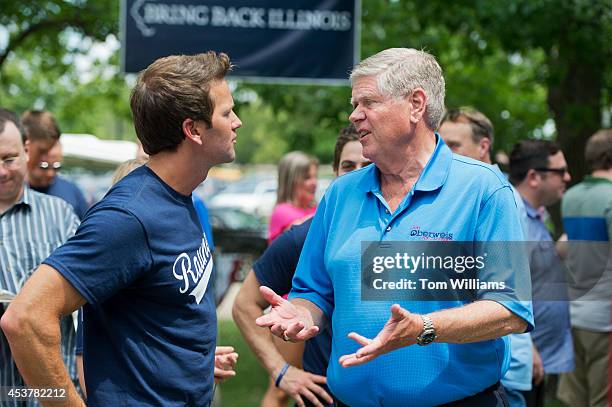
[432, 177]
[532, 212]
[596, 180]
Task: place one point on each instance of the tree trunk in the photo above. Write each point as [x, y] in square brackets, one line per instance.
[574, 97]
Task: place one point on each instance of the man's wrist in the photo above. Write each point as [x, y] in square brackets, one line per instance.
[281, 374]
[277, 369]
[428, 332]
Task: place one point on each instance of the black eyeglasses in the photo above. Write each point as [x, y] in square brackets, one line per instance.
[44, 165]
[560, 171]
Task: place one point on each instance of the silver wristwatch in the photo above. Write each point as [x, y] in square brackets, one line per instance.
[428, 334]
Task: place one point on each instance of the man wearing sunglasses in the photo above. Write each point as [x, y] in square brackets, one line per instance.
[470, 133]
[43, 135]
[539, 173]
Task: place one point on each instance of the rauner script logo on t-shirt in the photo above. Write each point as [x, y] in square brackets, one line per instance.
[194, 272]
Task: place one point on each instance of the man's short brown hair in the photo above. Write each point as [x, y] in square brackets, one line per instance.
[39, 125]
[345, 136]
[171, 90]
[598, 151]
[479, 123]
[528, 155]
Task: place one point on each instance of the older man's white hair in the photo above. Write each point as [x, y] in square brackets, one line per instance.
[399, 71]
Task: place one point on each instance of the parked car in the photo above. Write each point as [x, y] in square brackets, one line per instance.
[240, 238]
[254, 195]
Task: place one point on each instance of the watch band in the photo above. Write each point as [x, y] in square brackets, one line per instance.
[428, 334]
[427, 323]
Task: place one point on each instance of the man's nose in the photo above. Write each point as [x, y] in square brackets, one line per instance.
[356, 115]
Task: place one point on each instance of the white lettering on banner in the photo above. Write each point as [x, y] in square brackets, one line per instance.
[324, 20]
[244, 17]
[146, 14]
[197, 272]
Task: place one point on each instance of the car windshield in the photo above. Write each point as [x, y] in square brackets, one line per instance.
[245, 186]
[228, 218]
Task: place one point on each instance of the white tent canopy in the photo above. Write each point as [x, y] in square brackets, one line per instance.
[89, 147]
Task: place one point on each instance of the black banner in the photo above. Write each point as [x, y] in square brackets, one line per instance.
[302, 41]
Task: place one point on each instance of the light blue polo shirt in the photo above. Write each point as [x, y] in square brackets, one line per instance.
[455, 197]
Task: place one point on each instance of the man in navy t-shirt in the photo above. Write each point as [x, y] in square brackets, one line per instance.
[140, 261]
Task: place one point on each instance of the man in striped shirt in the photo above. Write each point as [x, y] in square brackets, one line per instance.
[32, 225]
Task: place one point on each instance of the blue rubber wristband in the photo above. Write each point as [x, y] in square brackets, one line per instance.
[281, 374]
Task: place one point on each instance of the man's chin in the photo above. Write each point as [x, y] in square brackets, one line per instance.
[230, 158]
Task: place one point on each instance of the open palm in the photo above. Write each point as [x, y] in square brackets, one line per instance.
[286, 320]
[400, 330]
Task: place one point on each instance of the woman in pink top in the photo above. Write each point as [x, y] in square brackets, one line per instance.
[297, 184]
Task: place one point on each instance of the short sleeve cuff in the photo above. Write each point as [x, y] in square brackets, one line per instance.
[522, 309]
[72, 279]
[316, 299]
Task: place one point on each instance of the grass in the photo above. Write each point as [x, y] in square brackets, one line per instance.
[251, 381]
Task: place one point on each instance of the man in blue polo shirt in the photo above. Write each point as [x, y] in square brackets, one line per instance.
[416, 190]
[275, 269]
[140, 260]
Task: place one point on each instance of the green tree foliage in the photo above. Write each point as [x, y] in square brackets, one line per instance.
[522, 62]
[39, 64]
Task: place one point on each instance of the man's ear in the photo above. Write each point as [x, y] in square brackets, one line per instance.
[484, 147]
[192, 131]
[533, 178]
[418, 101]
[26, 148]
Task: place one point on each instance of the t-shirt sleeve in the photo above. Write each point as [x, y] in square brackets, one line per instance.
[312, 280]
[275, 268]
[108, 252]
[501, 240]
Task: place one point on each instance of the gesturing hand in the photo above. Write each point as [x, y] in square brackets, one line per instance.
[225, 362]
[400, 330]
[285, 320]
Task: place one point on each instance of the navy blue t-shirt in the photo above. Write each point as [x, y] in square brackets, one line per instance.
[143, 264]
[69, 192]
[275, 269]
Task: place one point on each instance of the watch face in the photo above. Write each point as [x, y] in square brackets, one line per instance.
[426, 337]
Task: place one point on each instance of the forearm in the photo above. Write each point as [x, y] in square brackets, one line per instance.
[35, 346]
[477, 321]
[314, 314]
[259, 339]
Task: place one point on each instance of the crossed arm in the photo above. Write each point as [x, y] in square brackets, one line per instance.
[474, 322]
[249, 305]
[31, 325]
